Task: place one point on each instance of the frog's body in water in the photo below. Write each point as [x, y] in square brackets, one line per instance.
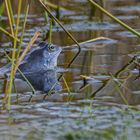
[39, 67]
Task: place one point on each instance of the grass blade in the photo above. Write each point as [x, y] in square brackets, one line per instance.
[8, 34]
[22, 34]
[34, 38]
[11, 12]
[115, 19]
[2, 9]
[9, 17]
[13, 56]
[68, 33]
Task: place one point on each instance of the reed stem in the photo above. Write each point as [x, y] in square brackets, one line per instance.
[13, 56]
[34, 38]
[115, 19]
[22, 34]
[11, 12]
[33, 90]
[9, 17]
[68, 33]
[50, 32]
[8, 34]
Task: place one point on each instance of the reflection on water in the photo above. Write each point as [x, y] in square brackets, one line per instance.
[43, 80]
[105, 117]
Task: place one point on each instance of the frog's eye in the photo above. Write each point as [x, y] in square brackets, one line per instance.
[51, 48]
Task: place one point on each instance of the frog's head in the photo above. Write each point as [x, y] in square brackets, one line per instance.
[50, 54]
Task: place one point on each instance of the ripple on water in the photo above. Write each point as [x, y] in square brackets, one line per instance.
[87, 119]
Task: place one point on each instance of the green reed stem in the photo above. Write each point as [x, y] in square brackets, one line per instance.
[49, 92]
[8, 34]
[126, 66]
[54, 6]
[68, 33]
[116, 75]
[2, 6]
[30, 44]
[67, 87]
[115, 19]
[14, 85]
[13, 55]
[46, 16]
[9, 17]
[23, 30]
[117, 87]
[50, 32]
[11, 12]
[21, 73]
[118, 84]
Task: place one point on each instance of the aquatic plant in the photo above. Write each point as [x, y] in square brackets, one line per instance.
[68, 33]
[14, 32]
[114, 18]
[16, 58]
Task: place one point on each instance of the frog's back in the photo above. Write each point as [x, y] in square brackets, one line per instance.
[32, 61]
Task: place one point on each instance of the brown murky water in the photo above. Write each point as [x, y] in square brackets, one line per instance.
[104, 117]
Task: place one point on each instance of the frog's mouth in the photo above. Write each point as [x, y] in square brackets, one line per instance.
[51, 60]
[55, 58]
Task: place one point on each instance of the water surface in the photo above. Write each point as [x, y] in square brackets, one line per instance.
[107, 115]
